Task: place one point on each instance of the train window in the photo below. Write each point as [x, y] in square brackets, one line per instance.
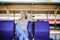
[58, 12]
[2, 12]
[29, 11]
[14, 11]
[52, 24]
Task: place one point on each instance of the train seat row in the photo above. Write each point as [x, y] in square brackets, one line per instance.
[6, 29]
[39, 30]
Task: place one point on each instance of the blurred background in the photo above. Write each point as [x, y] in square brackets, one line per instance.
[37, 9]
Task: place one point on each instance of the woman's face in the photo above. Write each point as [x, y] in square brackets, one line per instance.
[23, 14]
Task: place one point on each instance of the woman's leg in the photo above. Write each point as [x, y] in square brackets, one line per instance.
[21, 37]
[17, 33]
[21, 32]
[26, 32]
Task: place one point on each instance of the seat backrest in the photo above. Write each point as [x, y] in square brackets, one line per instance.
[41, 29]
[7, 28]
[29, 27]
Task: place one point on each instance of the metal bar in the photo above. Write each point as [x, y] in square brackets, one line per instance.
[55, 12]
[48, 0]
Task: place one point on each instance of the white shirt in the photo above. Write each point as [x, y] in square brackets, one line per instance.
[24, 24]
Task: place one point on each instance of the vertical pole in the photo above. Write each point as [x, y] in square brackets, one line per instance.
[7, 11]
[55, 12]
[47, 15]
[48, 0]
[14, 21]
[31, 10]
[14, 14]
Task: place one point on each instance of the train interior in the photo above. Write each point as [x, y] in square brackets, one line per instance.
[38, 11]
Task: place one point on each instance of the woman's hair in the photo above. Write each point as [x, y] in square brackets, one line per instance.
[24, 12]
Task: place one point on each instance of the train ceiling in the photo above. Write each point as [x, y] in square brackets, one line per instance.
[36, 7]
[29, 1]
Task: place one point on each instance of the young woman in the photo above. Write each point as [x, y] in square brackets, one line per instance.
[21, 27]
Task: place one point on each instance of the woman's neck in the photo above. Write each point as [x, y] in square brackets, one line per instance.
[23, 18]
